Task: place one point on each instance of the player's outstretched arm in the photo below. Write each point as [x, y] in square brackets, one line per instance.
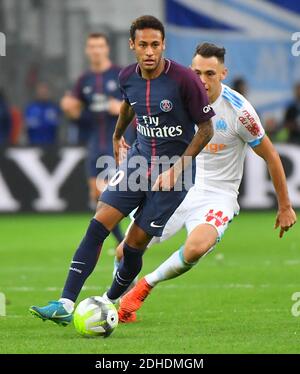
[167, 180]
[126, 116]
[286, 216]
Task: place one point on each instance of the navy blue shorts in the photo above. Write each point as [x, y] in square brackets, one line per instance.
[154, 207]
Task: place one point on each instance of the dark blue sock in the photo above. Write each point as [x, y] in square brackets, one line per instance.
[85, 259]
[117, 233]
[129, 268]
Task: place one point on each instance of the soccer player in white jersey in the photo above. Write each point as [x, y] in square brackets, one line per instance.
[212, 203]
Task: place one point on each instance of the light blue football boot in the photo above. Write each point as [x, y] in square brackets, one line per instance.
[54, 311]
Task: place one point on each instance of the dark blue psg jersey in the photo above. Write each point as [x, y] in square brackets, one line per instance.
[94, 91]
[167, 108]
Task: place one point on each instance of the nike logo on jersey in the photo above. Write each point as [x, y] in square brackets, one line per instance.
[133, 103]
[152, 224]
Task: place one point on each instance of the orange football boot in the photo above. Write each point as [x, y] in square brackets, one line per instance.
[133, 300]
[126, 317]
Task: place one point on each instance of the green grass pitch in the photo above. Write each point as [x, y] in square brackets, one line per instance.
[237, 300]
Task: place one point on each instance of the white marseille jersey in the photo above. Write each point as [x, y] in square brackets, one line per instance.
[236, 125]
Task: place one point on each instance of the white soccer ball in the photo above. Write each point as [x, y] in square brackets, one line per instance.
[95, 316]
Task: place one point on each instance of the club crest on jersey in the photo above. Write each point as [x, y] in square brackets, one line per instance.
[166, 105]
[112, 85]
[221, 125]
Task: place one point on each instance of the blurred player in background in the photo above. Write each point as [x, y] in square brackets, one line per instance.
[42, 117]
[168, 100]
[212, 203]
[97, 97]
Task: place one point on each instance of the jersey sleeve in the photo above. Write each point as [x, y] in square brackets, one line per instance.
[195, 98]
[117, 94]
[249, 127]
[77, 89]
[122, 88]
[124, 95]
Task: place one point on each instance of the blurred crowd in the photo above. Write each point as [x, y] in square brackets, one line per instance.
[41, 122]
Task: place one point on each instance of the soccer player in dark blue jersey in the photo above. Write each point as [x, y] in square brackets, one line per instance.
[97, 97]
[168, 100]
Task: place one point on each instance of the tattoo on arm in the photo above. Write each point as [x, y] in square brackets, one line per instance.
[202, 137]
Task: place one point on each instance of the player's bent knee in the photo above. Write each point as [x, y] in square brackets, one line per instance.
[137, 237]
[199, 242]
[193, 251]
[108, 215]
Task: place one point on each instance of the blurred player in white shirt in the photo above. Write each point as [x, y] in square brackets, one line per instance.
[212, 203]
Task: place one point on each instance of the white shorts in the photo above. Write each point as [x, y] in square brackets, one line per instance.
[199, 207]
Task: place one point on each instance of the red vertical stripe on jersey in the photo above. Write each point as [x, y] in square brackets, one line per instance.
[153, 143]
[102, 132]
[148, 97]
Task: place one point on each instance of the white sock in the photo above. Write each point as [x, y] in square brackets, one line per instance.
[108, 299]
[68, 304]
[174, 266]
